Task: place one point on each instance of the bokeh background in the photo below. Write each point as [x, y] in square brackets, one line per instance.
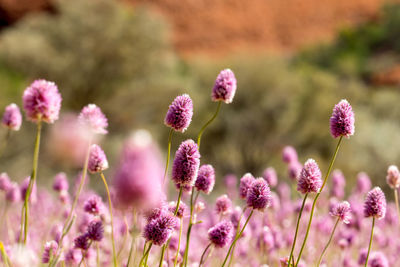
[293, 59]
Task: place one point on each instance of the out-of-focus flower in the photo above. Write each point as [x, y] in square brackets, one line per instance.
[50, 250]
[342, 210]
[270, 176]
[181, 209]
[393, 177]
[42, 100]
[205, 179]
[259, 195]
[93, 119]
[82, 242]
[95, 231]
[60, 182]
[289, 154]
[93, 205]
[363, 183]
[4, 181]
[310, 178]
[342, 120]
[97, 159]
[180, 113]
[338, 184]
[186, 163]
[375, 204]
[221, 234]
[12, 117]
[223, 205]
[294, 169]
[24, 187]
[245, 183]
[225, 87]
[13, 193]
[160, 229]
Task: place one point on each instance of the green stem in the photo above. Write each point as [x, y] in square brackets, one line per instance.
[208, 123]
[133, 240]
[4, 255]
[171, 131]
[98, 254]
[204, 253]
[179, 243]
[316, 198]
[32, 179]
[237, 238]
[396, 199]
[144, 257]
[111, 215]
[370, 241]
[297, 229]
[237, 233]
[192, 204]
[329, 242]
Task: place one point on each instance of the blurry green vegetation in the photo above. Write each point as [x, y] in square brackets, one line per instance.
[121, 59]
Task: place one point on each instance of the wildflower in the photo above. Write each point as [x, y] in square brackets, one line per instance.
[93, 118]
[270, 176]
[50, 250]
[363, 183]
[223, 205]
[60, 182]
[205, 179]
[186, 163]
[225, 87]
[221, 234]
[179, 114]
[4, 181]
[393, 177]
[12, 117]
[93, 205]
[259, 195]
[97, 159]
[245, 183]
[342, 211]
[181, 210]
[160, 229]
[13, 193]
[82, 242]
[310, 178]
[342, 120]
[95, 231]
[289, 154]
[375, 204]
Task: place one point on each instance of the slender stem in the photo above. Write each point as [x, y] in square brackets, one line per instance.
[316, 198]
[237, 238]
[32, 179]
[396, 199]
[208, 123]
[297, 227]
[111, 215]
[4, 255]
[237, 233]
[370, 241]
[145, 253]
[133, 239]
[329, 242]
[179, 243]
[97, 254]
[192, 204]
[171, 131]
[204, 253]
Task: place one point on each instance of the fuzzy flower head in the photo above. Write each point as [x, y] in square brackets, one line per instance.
[60, 182]
[375, 204]
[93, 118]
[13, 193]
[310, 178]
[82, 242]
[393, 177]
[289, 154]
[180, 113]
[270, 176]
[259, 195]
[12, 117]
[378, 259]
[342, 120]
[225, 87]
[186, 163]
[97, 159]
[160, 229]
[205, 179]
[363, 183]
[223, 205]
[294, 170]
[181, 209]
[93, 205]
[245, 183]
[42, 100]
[342, 210]
[4, 181]
[95, 231]
[50, 250]
[221, 234]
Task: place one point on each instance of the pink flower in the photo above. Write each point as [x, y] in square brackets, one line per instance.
[225, 87]
[12, 117]
[93, 118]
[342, 120]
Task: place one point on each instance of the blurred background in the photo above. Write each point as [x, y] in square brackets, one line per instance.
[293, 59]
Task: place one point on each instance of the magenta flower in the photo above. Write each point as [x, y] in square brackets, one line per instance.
[50, 250]
[245, 183]
[310, 178]
[342, 210]
[97, 159]
[294, 169]
[93, 205]
[4, 181]
[221, 234]
[95, 231]
[338, 184]
[93, 118]
[60, 182]
[289, 154]
[342, 120]
[73, 257]
[393, 177]
[186, 163]
[205, 179]
[375, 204]
[12, 117]
[259, 195]
[223, 205]
[378, 259]
[42, 100]
[363, 183]
[181, 210]
[13, 193]
[180, 113]
[225, 87]
[160, 229]
[270, 176]
[82, 242]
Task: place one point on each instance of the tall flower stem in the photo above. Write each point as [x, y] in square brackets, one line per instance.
[297, 229]
[370, 241]
[145, 253]
[237, 238]
[396, 199]
[208, 123]
[133, 239]
[32, 180]
[171, 131]
[329, 242]
[317, 196]
[176, 212]
[192, 205]
[179, 243]
[204, 253]
[111, 215]
[237, 233]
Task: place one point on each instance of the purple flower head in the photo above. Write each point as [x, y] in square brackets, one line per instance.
[363, 183]
[284, 261]
[310, 178]
[259, 195]
[186, 163]
[375, 204]
[393, 177]
[342, 120]
[93, 205]
[270, 176]
[245, 183]
[13, 193]
[97, 159]
[342, 210]
[82, 242]
[181, 210]
[24, 187]
[223, 205]
[60, 182]
[221, 234]
[294, 170]
[378, 259]
[338, 184]
[4, 181]
[42, 100]
[50, 250]
[180, 113]
[73, 257]
[56, 232]
[225, 87]
[93, 118]
[289, 154]
[205, 179]
[95, 231]
[362, 257]
[12, 117]
[160, 229]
